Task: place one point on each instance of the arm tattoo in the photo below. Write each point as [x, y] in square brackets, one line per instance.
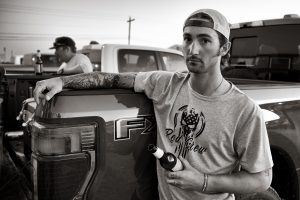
[99, 80]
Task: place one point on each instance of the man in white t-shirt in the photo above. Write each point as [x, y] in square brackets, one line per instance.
[215, 129]
[71, 62]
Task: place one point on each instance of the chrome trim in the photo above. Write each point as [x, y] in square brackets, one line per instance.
[81, 194]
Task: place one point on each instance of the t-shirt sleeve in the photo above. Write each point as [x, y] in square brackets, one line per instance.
[252, 143]
[85, 64]
[151, 83]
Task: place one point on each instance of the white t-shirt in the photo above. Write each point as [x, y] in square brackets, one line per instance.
[215, 134]
[79, 63]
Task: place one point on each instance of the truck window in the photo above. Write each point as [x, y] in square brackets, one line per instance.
[271, 52]
[296, 63]
[279, 68]
[244, 47]
[173, 62]
[136, 60]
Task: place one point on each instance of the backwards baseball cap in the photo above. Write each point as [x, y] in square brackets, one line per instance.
[63, 41]
[209, 18]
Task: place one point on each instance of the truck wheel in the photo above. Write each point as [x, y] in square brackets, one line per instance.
[269, 194]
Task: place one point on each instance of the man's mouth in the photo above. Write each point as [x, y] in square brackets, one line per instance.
[194, 60]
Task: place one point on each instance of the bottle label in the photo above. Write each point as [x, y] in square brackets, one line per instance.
[159, 153]
[38, 69]
[178, 166]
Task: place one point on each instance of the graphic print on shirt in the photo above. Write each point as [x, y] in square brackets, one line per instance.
[188, 125]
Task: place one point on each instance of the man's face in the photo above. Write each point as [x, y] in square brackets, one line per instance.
[201, 48]
[61, 54]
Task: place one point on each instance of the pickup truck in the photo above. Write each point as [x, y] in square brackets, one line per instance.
[17, 83]
[99, 149]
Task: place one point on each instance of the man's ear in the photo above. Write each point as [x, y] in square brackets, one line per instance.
[67, 49]
[225, 48]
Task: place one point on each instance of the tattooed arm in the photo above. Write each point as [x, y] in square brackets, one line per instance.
[99, 80]
[83, 81]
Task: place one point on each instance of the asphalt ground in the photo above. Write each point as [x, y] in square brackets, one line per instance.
[10, 180]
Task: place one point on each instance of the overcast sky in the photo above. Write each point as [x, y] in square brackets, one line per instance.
[27, 25]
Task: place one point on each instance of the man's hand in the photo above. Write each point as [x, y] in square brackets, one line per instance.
[60, 71]
[53, 85]
[188, 179]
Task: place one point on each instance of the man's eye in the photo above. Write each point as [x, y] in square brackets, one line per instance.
[186, 39]
[204, 41]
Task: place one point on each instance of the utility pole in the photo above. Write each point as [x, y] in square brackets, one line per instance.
[129, 22]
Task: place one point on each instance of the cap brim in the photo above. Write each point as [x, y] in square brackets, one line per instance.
[52, 48]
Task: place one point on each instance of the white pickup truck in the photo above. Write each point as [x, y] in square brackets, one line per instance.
[130, 58]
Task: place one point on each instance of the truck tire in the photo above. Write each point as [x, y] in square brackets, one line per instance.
[269, 194]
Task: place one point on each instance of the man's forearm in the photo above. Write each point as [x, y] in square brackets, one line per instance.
[240, 183]
[99, 80]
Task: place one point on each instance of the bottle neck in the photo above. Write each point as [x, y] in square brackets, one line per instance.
[159, 153]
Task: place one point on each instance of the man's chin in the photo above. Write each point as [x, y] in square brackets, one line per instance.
[196, 68]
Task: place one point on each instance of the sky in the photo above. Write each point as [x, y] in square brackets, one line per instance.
[28, 25]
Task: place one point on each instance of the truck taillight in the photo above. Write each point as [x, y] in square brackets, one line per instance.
[63, 158]
[63, 140]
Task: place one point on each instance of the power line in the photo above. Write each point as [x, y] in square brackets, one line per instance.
[42, 11]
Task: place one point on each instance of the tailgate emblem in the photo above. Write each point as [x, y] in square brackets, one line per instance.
[125, 127]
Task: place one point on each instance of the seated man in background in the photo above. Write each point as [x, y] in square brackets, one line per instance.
[71, 62]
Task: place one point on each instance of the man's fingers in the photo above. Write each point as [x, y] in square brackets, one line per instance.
[172, 175]
[46, 89]
[185, 163]
[38, 92]
[50, 94]
[174, 182]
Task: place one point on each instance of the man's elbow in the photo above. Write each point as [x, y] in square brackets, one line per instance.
[265, 179]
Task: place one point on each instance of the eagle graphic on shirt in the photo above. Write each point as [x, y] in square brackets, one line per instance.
[188, 125]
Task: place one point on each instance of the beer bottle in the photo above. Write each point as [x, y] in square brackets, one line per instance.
[38, 63]
[166, 159]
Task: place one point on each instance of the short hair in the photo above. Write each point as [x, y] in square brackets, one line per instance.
[223, 40]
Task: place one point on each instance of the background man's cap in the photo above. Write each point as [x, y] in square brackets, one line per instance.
[63, 41]
[209, 18]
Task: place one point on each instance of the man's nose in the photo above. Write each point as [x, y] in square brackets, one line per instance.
[195, 48]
